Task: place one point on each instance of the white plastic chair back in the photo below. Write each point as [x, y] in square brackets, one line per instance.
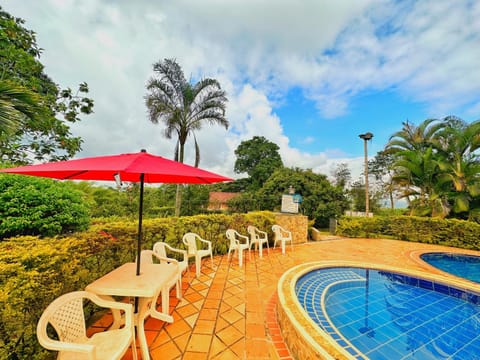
[69, 321]
[190, 241]
[66, 315]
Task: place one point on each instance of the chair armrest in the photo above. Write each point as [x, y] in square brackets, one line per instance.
[209, 243]
[246, 238]
[57, 345]
[179, 251]
[167, 259]
[262, 232]
[286, 233]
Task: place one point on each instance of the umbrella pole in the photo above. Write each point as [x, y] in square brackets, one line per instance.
[139, 236]
[140, 213]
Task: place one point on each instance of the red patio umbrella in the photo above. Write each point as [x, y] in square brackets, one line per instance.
[140, 167]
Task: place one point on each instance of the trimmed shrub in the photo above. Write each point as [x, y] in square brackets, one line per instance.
[38, 206]
[450, 232]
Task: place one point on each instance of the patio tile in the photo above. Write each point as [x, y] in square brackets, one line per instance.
[181, 327]
[194, 356]
[167, 351]
[239, 349]
[182, 341]
[187, 310]
[229, 335]
[230, 312]
[199, 343]
[208, 314]
[204, 327]
[231, 316]
[217, 346]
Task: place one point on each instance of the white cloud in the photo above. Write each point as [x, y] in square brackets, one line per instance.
[427, 50]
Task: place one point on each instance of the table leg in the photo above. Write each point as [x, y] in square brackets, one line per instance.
[117, 316]
[163, 315]
[139, 318]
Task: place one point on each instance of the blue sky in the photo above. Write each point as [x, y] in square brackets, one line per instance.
[309, 75]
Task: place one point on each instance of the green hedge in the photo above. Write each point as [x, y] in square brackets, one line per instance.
[450, 232]
[34, 271]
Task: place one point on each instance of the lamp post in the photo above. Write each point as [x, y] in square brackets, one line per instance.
[367, 136]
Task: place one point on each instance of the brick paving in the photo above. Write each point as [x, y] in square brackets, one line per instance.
[229, 312]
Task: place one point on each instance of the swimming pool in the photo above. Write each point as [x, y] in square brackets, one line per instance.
[462, 265]
[382, 314]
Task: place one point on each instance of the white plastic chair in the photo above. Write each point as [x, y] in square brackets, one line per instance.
[257, 238]
[282, 235]
[149, 257]
[66, 315]
[163, 249]
[190, 240]
[237, 244]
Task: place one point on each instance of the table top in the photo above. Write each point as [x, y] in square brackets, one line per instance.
[123, 280]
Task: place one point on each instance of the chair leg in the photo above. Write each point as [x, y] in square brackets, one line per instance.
[240, 257]
[198, 264]
[179, 287]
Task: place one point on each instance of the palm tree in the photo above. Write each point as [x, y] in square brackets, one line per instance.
[183, 107]
[459, 162]
[414, 138]
[414, 165]
[16, 104]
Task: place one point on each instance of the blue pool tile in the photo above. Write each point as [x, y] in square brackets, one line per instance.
[441, 288]
[416, 324]
[425, 284]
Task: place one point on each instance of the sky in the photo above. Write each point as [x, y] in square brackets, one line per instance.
[308, 75]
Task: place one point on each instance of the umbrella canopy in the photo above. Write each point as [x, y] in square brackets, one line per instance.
[140, 167]
[129, 167]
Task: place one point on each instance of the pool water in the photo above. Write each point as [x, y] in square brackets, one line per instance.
[466, 266]
[382, 315]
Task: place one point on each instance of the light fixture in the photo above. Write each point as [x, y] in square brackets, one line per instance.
[118, 180]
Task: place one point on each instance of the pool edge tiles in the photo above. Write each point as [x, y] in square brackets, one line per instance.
[302, 335]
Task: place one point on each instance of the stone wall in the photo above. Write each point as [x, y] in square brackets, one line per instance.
[297, 224]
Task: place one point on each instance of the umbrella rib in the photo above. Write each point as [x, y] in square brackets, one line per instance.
[75, 174]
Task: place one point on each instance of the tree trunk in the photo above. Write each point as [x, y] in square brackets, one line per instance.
[178, 193]
[178, 200]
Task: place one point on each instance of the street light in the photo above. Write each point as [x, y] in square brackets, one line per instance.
[367, 136]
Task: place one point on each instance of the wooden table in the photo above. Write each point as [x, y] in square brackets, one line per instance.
[123, 281]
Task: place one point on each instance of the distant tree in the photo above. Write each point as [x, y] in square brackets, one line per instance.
[357, 197]
[44, 134]
[259, 158]
[183, 107]
[381, 167]
[321, 200]
[341, 175]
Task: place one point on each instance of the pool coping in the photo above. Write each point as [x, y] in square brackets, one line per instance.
[305, 338]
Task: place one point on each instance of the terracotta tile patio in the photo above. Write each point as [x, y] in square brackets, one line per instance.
[229, 312]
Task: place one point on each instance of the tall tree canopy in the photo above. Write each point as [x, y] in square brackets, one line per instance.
[38, 104]
[436, 166]
[183, 108]
[259, 158]
[321, 200]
